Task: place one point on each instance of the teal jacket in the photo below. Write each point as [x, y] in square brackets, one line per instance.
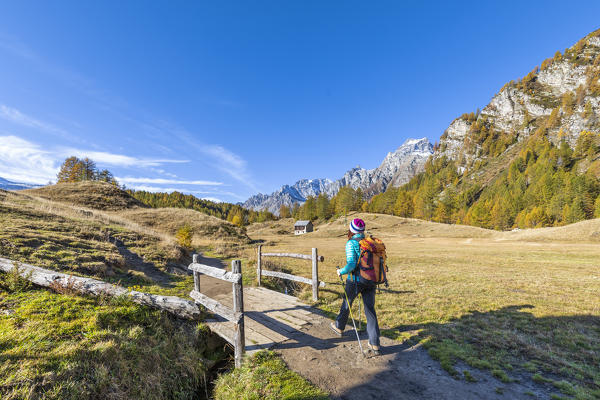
[352, 256]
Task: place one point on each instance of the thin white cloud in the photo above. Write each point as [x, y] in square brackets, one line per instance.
[118, 160]
[23, 161]
[16, 47]
[15, 116]
[230, 163]
[213, 199]
[168, 181]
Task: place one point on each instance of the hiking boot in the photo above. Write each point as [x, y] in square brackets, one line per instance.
[374, 349]
[335, 329]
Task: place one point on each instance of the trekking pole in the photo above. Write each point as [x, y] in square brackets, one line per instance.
[351, 317]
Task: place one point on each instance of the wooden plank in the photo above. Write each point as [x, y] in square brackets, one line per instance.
[42, 277]
[254, 338]
[290, 255]
[263, 330]
[275, 294]
[299, 314]
[222, 328]
[216, 307]
[272, 297]
[315, 275]
[272, 323]
[258, 264]
[216, 272]
[238, 308]
[278, 297]
[283, 275]
[258, 334]
[262, 304]
[290, 320]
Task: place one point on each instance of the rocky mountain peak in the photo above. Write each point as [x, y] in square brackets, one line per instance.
[396, 169]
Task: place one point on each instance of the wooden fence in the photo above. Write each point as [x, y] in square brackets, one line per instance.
[237, 314]
[315, 269]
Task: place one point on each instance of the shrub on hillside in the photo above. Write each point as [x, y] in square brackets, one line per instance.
[184, 236]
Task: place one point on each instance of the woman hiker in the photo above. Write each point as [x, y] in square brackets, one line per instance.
[354, 287]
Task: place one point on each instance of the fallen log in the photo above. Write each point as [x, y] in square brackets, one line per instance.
[47, 278]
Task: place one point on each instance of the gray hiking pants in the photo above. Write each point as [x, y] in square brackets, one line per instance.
[353, 289]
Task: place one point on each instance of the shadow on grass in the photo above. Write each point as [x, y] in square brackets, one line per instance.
[135, 262]
[540, 355]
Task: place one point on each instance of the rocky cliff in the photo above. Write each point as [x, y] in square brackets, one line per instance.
[565, 89]
[530, 158]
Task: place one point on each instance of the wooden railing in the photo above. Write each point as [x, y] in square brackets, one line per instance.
[315, 269]
[237, 314]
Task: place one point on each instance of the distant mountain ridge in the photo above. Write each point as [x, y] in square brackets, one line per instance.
[9, 185]
[396, 169]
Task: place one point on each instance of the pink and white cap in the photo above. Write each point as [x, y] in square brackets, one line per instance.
[357, 225]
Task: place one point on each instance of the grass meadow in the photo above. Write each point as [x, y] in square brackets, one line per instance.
[521, 305]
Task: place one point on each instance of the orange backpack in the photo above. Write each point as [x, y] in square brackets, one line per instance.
[371, 265]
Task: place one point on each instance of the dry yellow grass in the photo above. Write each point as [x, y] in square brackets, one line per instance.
[70, 237]
[517, 303]
[90, 194]
[206, 229]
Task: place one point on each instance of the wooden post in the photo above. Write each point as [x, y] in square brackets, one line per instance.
[258, 264]
[196, 274]
[238, 307]
[315, 274]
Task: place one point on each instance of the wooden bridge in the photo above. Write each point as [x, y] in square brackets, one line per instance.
[254, 318]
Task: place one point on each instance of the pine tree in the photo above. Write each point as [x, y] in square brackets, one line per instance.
[70, 171]
[597, 207]
[237, 220]
[403, 207]
[309, 209]
[323, 207]
[284, 211]
[88, 170]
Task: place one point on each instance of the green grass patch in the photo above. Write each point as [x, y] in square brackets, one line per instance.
[565, 387]
[265, 376]
[498, 373]
[469, 377]
[54, 346]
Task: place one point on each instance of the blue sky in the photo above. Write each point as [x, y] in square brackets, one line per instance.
[227, 99]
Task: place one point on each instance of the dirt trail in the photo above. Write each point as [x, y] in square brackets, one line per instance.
[134, 261]
[400, 372]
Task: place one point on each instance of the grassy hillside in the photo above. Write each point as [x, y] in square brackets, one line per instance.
[522, 305]
[91, 194]
[70, 239]
[227, 211]
[66, 346]
[206, 229]
[56, 346]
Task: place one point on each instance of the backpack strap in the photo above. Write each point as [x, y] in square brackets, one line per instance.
[355, 270]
